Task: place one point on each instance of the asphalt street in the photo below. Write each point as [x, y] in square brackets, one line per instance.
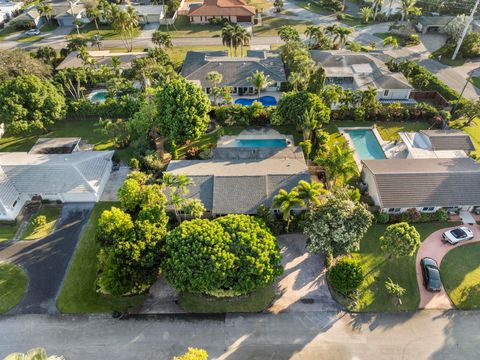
[325, 335]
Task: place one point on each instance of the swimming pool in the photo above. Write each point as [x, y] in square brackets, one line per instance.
[259, 143]
[265, 100]
[366, 144]
[98, 96]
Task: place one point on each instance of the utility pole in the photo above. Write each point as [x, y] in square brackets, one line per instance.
[464, 33]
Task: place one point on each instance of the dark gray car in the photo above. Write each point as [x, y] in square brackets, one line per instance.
[431, 274]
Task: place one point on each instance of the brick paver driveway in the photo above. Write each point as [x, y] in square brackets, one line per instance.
[435, 248]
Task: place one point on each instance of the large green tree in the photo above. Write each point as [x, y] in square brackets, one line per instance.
[400, 239]
[28, 102]
[231, 255]
[18, 62]
[182, 111]
[338, 225]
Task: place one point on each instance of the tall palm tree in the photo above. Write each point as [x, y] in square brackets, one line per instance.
[310, 192]
[333, 31]
[93, 13]
[285, 202]
[338, 164]
[46, 10]
[408, 7]
[33, 354]
[214, 78]
[126, 22]
[259, 81]
[314, 33]
[227, 36]
[96, 41]
[162, 40]
[240, 38]
[297, 80]
[309, 123]
[343, 33]
[178, 190]
[376, 6]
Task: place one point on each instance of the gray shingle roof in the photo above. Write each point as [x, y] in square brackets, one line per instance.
[408, 183]
[449, 140]
[234, 70]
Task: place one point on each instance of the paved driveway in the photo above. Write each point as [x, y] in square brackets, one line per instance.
[303, 285]
[46, 260]
[435, 248]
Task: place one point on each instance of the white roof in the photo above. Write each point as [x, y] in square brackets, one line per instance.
[80, 171]
[420, 147]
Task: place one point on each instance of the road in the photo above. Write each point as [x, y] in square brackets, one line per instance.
[421, 335]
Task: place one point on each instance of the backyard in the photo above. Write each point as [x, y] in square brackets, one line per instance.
[460, 271]
[78, 294]
[473, 130]
[372, 295]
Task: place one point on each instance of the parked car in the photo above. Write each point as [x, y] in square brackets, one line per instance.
[431, 274]
[32, 32]
[457, 235]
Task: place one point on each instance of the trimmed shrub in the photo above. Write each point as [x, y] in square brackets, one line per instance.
[40, 220]
[346, 276]
[382, 218]
[441, 215]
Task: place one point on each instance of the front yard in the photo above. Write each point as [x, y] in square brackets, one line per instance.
[270, 25]
[13, 282]
[460, 270]
[33, 232]
[105, 31]
[78, 294]
[372, 295]
[183, 28]
[8, 230]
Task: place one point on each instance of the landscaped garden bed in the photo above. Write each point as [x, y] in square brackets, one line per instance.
[41, 223]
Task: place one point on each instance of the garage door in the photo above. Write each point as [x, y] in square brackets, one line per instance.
[244, 19]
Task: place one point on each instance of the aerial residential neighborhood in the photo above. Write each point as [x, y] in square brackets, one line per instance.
[239, 179]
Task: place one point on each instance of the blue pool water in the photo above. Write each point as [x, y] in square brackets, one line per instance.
[259, 143]
[366, 144]
[265, 100]
[99, 97]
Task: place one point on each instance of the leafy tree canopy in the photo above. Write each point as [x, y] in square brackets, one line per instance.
[400, 239]
[18, 62]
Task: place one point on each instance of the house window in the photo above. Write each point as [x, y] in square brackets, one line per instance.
[394, 210]
[386, 92]
[428, 209]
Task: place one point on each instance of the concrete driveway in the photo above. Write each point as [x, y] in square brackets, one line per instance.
[435, 248]
[47, 259]
[303, 285]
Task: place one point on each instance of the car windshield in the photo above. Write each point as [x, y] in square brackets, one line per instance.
[459, 233]
[434, 274]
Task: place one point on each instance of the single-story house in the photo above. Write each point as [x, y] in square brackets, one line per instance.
[427, 185]
[354, 71]
[148, 14]
[79, 176]
[103, 57]
[64, 12]
[240, 186]
[7, 9]
[388, 7]
[429, 144]
[234, 70]
[235, 11]
[433, 23]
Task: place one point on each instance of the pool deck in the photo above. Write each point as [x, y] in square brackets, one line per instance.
[254, 134]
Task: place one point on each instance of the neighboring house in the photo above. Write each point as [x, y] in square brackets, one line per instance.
[103, 57]
[7, 9]
[79, 176]
[433, 24]
[355, 71]
[64, 12]
[234, 70]
[427, 185]
[240, 186]
[148, 14]
[235, 11]
[429, 144]
[389, 7]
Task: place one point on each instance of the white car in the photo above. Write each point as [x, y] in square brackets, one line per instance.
[32, 32]
[457, 235]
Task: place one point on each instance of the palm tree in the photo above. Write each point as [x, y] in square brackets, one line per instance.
[310, 192]
[309, 123]
[45, 10]
[366, 13]
[390, 41]
[33, 354]
[214, 78]
[93, 13]
[376, 5]
[96, 40]
[162, 40]
[126, 22]
[343, 33]
[408, 7]
[259, 81]
[240, 37]
[313, 34]
[178, 190]
[333, 31]
[338, 164]
[227, 36]
[285, 202]
[84, 55]
[77, 24]
[297, 80]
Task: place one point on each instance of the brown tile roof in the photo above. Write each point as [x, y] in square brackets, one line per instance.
[223, 8]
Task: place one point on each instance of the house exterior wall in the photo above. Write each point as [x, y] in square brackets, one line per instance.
[372, 187]
[205, 19]
[394, 94]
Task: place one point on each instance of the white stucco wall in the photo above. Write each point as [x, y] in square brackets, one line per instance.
[394, 94]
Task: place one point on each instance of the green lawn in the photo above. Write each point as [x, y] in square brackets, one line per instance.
[32, 232]
[270, 26]
[8, 230]
[260, 5]
[255, 302]
[372, 294]
[78, 294]
[105, 31]
[352, 21]
[475, 80]
[9, 30]
[183, 28]
[49, 27]
[444, 55]
[460, 271]
[473, 130]
[86, 129]
[13, 282]
[312, 6]
[29, 39]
